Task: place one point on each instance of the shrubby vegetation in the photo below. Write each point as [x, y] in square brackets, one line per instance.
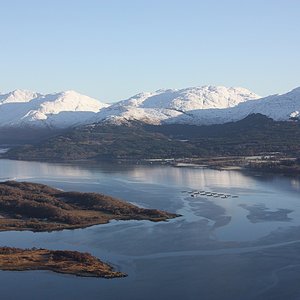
[104, 142]
[254, 135]
[67, 262]
[37, 207]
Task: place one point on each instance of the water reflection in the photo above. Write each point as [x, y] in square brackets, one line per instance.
[161, 186]
[191, 177]
[158, 256]
[24, 169]
[295, 184]
[178, 177]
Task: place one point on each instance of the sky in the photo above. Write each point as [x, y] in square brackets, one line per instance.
[113, 49]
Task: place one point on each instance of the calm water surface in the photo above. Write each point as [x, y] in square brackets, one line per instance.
[235, 248]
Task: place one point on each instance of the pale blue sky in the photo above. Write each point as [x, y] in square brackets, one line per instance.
[115, 48]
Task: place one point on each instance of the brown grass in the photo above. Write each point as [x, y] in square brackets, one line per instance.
[38, 207]
[67, 262]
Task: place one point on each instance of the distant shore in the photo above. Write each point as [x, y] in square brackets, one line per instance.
[272, 163]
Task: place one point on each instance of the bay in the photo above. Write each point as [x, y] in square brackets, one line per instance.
[242, 247]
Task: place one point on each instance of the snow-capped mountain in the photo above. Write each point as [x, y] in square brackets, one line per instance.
[59, 110]
[278, 107]
[198, 105]
[162, 105]
[191, 98]
[18, 96]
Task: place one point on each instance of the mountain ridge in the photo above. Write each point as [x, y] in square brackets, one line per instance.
[161, 105]
[22, 108]
[281, 107]
[202, 105]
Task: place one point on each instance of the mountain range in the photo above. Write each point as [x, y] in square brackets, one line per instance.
[22, 108]
[205, 105]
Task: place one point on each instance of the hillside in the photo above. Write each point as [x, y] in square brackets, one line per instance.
[254, 135]
[104, 141]
[12, 136]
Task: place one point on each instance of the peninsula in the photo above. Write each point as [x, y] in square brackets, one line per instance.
[66, 262]
[37, 207]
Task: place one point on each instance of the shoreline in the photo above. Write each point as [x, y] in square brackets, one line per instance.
[274, 164]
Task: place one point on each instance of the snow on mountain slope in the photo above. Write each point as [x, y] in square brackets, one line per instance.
[18, 96]
[54, 110]
[278, 107]
[199, 105]
[162, 105]
[191, 98]
[119, 115]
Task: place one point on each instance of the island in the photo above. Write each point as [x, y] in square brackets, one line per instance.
[38, 207]
[66, 262]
